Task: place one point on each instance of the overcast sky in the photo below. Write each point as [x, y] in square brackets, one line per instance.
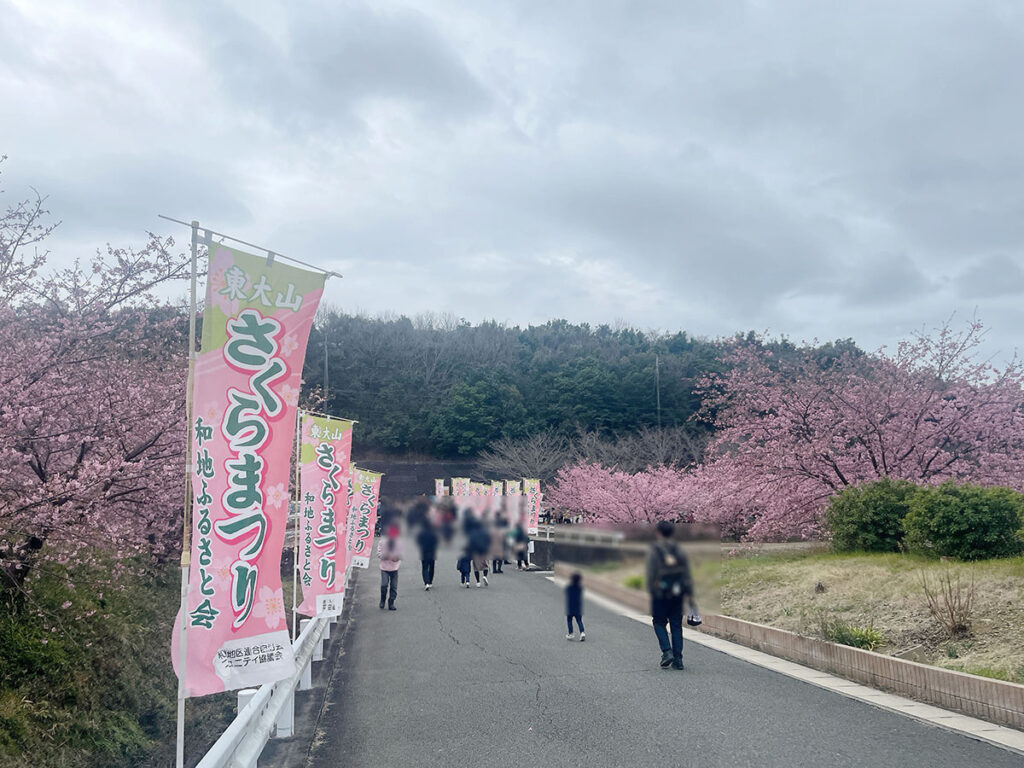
[813, 168]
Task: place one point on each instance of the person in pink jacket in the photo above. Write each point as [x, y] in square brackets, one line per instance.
[389, 552]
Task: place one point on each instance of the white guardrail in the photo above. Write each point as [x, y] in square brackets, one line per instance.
[269, 711]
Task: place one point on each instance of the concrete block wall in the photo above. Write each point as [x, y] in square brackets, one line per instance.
[993, 700]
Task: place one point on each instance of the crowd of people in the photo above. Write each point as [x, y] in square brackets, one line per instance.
[489, 543]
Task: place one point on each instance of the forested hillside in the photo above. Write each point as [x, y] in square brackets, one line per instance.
[440, 386]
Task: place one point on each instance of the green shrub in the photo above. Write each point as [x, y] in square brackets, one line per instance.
[967, 522]
[634, 582]
[836, 630]
[869, 517]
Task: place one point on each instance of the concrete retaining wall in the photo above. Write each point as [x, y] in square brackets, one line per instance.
[993, 700]
[548, 552]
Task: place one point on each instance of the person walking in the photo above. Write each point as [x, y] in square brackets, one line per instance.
[574, 605]
[522, 546]
[427, 540]
[464, 566]
[497, 553]
[502, 530]
[479, 546]
[389, 552]
[670, 584]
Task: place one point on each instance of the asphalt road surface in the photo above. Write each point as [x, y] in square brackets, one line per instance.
[478, 678]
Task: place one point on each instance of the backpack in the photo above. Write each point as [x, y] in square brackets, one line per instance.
[672, 573]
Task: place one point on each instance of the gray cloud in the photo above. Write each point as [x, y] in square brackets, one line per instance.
[992, 277]
[821, 170]
[118, 195]
[888, 280]
[325, 64]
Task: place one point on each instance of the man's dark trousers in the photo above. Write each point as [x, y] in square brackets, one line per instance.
[668, 610]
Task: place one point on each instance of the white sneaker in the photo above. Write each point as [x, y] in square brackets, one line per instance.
[568, 637]
[478, 585]
[426, 587]
[486, 582]
[467, 585]
[583, 636]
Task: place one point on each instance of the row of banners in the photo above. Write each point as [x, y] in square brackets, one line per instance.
[245, 422]
[481, 497]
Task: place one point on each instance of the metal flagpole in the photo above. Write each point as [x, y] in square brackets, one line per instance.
[295, 527]
[186, 531]
[657, 387]
[267, 251]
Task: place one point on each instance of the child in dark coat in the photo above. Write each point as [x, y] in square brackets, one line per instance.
[464, 566]
[574, 605]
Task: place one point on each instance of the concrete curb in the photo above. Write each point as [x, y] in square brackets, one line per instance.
[635, 605]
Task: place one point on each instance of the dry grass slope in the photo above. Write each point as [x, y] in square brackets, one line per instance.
[793, 591]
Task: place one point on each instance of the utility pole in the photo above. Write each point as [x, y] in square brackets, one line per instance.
[657, 387]
[325, 364]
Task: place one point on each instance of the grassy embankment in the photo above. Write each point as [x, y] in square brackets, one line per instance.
[86, 679]
[866, 591]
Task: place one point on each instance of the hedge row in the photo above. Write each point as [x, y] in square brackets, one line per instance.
[968, 522]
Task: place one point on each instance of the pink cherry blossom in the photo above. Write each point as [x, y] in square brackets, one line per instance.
[608, 496]
[269, 606]
[277, 495]
[289, 343]
[792, 432]
[92, 428]
[290, 395]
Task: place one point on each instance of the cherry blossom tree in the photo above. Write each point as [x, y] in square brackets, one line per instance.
[609, 496]
[792, 432]
[92, 380]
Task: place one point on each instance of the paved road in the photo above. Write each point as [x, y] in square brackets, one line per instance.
[484, 677]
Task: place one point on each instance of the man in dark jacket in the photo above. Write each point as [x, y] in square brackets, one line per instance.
[670, 584]
[574, 605]
[427, 541]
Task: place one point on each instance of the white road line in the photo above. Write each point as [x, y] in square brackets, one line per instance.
[998, 735]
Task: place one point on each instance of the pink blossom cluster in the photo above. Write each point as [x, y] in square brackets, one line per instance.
[92, 384]
[793, 430]
[608, 496]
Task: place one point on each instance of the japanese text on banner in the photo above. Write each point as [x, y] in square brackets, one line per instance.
[256, 323]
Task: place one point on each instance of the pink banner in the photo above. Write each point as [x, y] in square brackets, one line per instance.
[439, 489]
[513, 501]
[478, 498]
[496, 496]
[256, 323]
[363, 515]
[461, 492]
[325, 452]
[531, 489]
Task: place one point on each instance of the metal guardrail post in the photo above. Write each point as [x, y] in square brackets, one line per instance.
[266, 711]
[284, 726]
[245, 696]
[306, 676]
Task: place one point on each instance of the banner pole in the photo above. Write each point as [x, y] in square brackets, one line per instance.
[295, 527]
[186, 530]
